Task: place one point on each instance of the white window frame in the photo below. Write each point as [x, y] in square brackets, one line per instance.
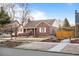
[42, 29]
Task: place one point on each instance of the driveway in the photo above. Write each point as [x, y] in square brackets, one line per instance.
[52, 47]
[44, 46]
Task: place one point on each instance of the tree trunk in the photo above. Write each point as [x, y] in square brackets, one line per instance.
[16, 32]
[11, 33]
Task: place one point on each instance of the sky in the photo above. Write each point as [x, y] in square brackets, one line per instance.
[58, 11]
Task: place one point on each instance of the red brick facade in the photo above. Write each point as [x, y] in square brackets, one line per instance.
[47, 26]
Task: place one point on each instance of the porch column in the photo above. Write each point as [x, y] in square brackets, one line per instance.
[26, 30]
[34, 31]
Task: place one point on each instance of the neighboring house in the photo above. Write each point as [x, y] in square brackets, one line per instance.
[13, 26]
[41, 27]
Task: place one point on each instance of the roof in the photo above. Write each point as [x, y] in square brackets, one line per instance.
[14, 24]
[34, 23]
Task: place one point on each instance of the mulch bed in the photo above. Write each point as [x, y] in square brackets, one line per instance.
[75, 41]
[10, 44]
[50, 40]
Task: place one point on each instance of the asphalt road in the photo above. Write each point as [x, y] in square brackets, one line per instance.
[19, 52]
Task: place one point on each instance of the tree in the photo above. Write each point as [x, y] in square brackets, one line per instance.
[9, 8]
[66, 23]
[4, 17]
[25, 12]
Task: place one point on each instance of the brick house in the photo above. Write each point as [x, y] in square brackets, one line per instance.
[41, 27]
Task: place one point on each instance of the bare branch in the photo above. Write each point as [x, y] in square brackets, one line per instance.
[9, 7]
[25, 12]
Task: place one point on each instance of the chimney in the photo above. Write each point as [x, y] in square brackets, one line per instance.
[29, 20]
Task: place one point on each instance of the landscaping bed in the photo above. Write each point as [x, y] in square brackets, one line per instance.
[75, 41]
[10, 44]
[7, 42]
[50, 40]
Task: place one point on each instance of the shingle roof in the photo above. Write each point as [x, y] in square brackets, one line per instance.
[34, 23]
[13, 24]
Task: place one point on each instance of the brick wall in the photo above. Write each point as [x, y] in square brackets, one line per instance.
[42, 24]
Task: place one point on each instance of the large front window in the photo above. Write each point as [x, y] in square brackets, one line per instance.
[42, 29]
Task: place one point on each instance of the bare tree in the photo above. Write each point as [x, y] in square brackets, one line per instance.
[11, 9]
[25, 12]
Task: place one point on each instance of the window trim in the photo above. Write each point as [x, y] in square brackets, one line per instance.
[42, 29]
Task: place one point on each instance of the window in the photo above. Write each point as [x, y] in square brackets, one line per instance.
[24, 30]
[42, 29]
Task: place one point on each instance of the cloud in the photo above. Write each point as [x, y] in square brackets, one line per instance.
[38, 15]
[70, 4]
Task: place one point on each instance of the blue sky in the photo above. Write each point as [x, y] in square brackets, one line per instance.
[54, 10]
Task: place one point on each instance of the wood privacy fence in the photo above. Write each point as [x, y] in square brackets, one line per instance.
[64, 34]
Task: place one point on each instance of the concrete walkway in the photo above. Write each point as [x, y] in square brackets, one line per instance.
[58, 47]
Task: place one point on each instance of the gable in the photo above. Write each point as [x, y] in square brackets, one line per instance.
[55, 24]
[31, 24]
[42, 24]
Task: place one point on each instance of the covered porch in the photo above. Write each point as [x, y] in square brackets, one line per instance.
[30, 31]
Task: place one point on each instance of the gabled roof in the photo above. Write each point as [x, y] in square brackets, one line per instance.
[34, 23]
[14, 24]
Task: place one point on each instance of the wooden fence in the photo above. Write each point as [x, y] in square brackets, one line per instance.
[64, 34]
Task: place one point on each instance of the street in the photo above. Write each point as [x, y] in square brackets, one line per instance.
[19, 52]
